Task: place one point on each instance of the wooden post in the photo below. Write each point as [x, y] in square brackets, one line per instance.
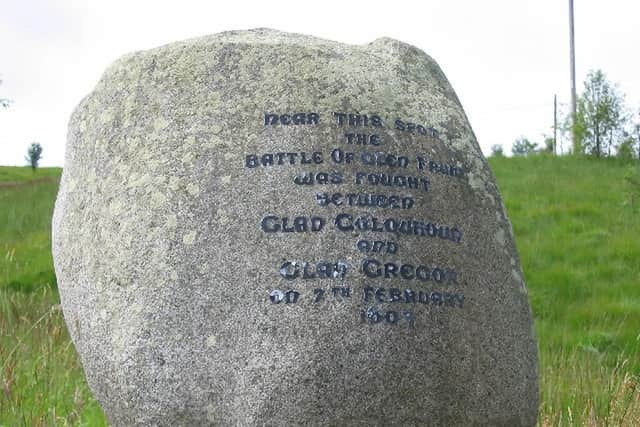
[572, 55]
[555, 123]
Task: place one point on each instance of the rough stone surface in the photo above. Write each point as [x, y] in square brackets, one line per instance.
[177, 277]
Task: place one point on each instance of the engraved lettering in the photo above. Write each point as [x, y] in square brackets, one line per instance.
[291, 270]
[339, 156]
[400, 181]
[411, 296]
[365, 199]
[362, 139]
[415, 128]
[310, 178]
[282, 159]
[383, 159]
[299, 224]
[377, 270]
[271, 119]
[346, 222]
[374, 316]
[377, 246]
[438, 167]
[355, 119]
[288, 297]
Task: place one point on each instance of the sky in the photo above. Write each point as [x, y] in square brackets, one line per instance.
[505, 58]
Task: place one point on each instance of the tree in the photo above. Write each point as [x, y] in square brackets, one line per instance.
[600, 116]
[523, 147]
[634, 135]
[626, 149]
[549, 144]
[34, 154]
[496, 150]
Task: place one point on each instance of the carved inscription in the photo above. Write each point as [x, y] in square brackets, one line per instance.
[387, 181]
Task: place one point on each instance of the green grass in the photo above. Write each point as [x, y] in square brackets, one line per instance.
[41, 380]
[579, 239]
[579, 242]
[20, 174]
[26, 204]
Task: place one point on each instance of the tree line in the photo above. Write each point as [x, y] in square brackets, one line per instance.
[603, 125]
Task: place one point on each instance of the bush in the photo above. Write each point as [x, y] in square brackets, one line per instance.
[523, 147]
[34, 154]
[497, 151]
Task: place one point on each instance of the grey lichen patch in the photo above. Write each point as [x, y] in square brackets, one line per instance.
[520, 285]
[222, 217]
[479, 178]
[215, 142]
[500, 237]
[211, 341]
[160, 124]
[211, 414]
[126, 328]
[189, 142]
[116, 207]
[158, 199]
[189, 238]
[172, 221]
[193, 189]
[176, 183]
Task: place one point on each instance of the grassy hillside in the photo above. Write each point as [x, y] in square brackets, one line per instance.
[26, 203]
[579, 240]
[41, 380]
[578, 237]
[13, 175]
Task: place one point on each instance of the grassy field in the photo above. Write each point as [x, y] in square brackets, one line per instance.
[41, 380]
[579, 239]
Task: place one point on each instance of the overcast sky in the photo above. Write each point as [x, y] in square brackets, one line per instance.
[505, 58]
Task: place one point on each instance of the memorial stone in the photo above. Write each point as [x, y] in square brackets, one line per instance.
[264, 228]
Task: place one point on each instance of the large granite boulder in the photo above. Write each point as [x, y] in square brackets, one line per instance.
[262, 228]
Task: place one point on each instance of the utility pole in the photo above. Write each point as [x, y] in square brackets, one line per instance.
[555, 123]
[572, 55]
